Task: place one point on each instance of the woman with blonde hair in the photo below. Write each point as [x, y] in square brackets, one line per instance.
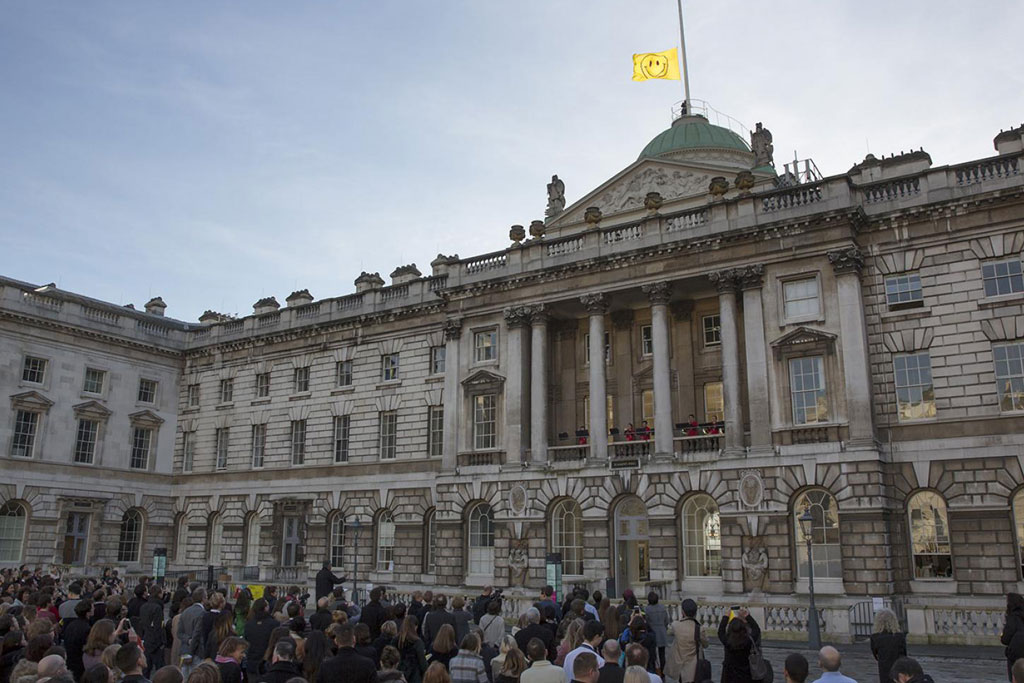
[108, 660]
[513, 667]
[573, 639]
[444, 648]
[504, 645]
[888, 642]
[634, 674]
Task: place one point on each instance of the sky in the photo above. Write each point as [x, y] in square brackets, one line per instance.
[214, 153]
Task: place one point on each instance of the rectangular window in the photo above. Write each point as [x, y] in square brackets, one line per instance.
[298, 442]
[25, 424]
[647, 405]
[263, 385]
[142, 441]
[259, 445]
[76, 535]
[714, 403]
[188, 449]
[1009, 362]
[388, 435]
[485, 434]
[147, 391]
[435, 430]
[1002, 277]
[389, 367]
[291, 541]
[341, 432]
[227, 390]
[607, 347]
[801, 298]
[646, 341]
[485, 346]
[93, 381]
[301, 380]
[34, 370]
[222, 437]
[343, 373]
[903, 291]
[807, 386]
[712, 330]
[193, 395]
[85, 441]
[437, 356]
[915, 397]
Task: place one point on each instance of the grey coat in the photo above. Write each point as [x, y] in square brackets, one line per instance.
[657, 621]
[188, 628]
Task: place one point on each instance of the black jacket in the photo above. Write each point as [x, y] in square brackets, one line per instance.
[8, 662]
[326, 581]
[281, 672]
[480, 607]
[374, 615]
[611, 673]
[151, 618]
[347, 667]
[736, 664]
[75, 633]
[413, 660]
[1013, 636]
[257, 632]
[887, 648]
[320, 620]
[523, 636]
[432, 623]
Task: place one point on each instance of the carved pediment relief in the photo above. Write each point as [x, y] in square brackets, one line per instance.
[804, 337]
[31, 400]
[629, 192]
[483, 378]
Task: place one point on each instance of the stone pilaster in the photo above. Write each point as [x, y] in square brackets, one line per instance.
[516, 319]
[538, 384]
[450, 450]
[847, 263]
[726, 282]
[597, 307]
[751, 280]
[659, 294]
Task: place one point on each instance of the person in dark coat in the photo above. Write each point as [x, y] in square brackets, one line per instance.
[1013, 631]
[322, 618]
[180, 593]
[907, 670]
[348, 665]
[135, 607]
[534, 629]
[282, 666]
[436, 618]
[257, 631]
[480, 604]
[151, 620]
[411, 651]
[374, 613]
[888, 643]
[738, 635]
[230, 655]
[326, 581]
[75, 635]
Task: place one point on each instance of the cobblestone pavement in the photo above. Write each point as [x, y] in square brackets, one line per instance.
[944, 664]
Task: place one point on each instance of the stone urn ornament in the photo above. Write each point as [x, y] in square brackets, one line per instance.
[517, 233]
[592, 216]
[744, 182]
[536, 229]
[718, 187]
[653, 201]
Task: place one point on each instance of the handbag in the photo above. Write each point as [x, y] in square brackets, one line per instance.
[702, 673]
[760, 668]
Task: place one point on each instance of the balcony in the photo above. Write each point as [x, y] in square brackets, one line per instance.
[571, 453]
[698, 447]
[810, 434]
[481, 458]
[297, 574]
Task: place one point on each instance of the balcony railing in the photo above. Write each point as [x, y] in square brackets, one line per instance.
[284, 574]
[481, 458]
[571, 453]
[811, 434]
[701, 444]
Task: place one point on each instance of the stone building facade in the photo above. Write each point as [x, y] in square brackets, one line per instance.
[760, 345]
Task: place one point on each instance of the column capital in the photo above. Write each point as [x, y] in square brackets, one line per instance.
[452, 329]
[846, 260]
[596, 304]
[725, 281]
[750, 277]
[682, 310]
[517, 316]
[622, 320]
[657, 292]
[538, 314]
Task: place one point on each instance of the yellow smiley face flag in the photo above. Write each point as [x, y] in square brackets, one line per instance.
[663, 65]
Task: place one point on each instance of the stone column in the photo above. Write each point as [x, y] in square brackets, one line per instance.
[847, 264]
[450, 449]
[751, 280]
[597, 306]
[539, 384]
[659, 294]
[726, 281]
[682, 346]
[516, 319]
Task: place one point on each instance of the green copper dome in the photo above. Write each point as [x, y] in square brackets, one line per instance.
[693, 132]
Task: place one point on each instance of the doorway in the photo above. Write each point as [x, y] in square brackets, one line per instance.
[632, 544]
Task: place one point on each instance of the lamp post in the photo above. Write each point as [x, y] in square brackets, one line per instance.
[355, 573]
[813, 635]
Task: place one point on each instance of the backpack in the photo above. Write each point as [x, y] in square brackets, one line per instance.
[760, 668]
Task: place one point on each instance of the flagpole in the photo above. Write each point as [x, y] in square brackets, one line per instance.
[682, 59]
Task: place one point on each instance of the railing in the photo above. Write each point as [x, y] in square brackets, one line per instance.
[702, 443]
[1000, 167]
[480, 459]
[572, 453]
[234, 326]
[801, 195]
[801, 435]
[151, 328]
[392, 293]
[687, 221]
[903, 188]
[486, 262]
[438, 283]
[250, 573]
[201, 333]
[268, 320]
[43, 301]
[293, 574]
[788, 619]
[623, 234]
[622, 450]
[101, 315]
[307, 311]
[566, 246]
[968, 622]
[350, 301]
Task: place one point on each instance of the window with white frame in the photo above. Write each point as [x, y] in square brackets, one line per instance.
[1018, 524]
[1009, 366]
[342, 423]
[429, 542]
[263, 385]
[437, 359]
[807, 388]
[227, 390]
[142, 443]
[607, 348]
[389, 367]
[903, 290]
[385, 542]
[646, 341]
[291, 541]
[188, 451]
[33, 370]
[929, 536]
[481, 540]
[714, 402]
[26, 424]
[388, 434]
[1002, 277]
[147, 390]
[485, 430]
[13, 517]
[567, 535]
[129, 541]
[193, 395]
[825, 548]
[702, 537]
[435, 430]
[93, 383]
[485, 345]
[222, 439]
[76, 538]
[85, 441]
[298, 441]
[801, 299]
[259, 445]
[915, 396]
[712, 326]
[301, 380]
[343, 373]
[338, 540]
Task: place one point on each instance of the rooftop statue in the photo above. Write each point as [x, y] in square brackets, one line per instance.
[556, 197]
[761, 144]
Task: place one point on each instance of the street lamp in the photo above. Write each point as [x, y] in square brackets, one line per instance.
[807, 526]
[355, 573]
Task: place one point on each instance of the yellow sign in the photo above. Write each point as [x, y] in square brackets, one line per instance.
[256, 590]
[664, 65]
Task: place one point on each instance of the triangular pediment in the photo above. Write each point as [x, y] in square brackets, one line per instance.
[31, 400]
[645, 372]
[804, 337]
[92, 409]
[146, 418]
[483, 378]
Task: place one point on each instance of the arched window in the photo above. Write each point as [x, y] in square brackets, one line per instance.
[12, 531]
[481, 541]
[1018, 522]
[429, 542]
[130, 539]
[567, 535]
[929, 536]
[252, 539]
[180, 537]
[338, 540]
[385, 541]
[702, 537]
[825, 549]
[214, 532]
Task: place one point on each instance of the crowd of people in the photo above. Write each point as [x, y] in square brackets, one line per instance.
[54, 630]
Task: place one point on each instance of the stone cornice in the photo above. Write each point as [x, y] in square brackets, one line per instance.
[46, 323]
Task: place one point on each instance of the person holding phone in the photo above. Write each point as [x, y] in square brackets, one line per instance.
[739, 634]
